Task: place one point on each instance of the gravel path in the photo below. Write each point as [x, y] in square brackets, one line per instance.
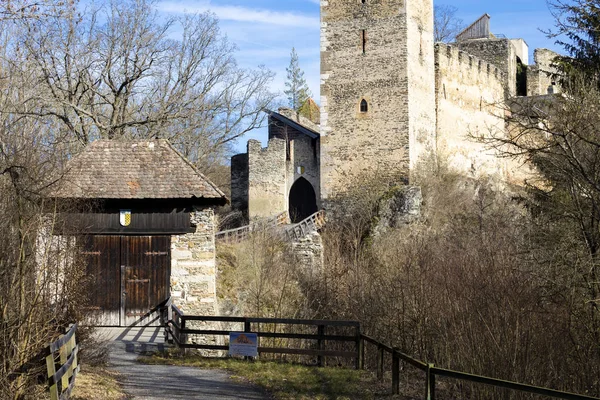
[155, 382]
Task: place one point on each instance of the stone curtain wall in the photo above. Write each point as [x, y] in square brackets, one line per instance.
[193, 266]
[470, 96]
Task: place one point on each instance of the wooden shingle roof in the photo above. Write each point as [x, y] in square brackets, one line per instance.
[153, 169]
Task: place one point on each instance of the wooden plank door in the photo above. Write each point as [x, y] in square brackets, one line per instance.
[102, 260]
[145, 273]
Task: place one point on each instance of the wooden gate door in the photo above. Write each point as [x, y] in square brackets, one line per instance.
[102, 258]
[145, 273]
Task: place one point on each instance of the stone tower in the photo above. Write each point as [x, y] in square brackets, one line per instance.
[377, 91]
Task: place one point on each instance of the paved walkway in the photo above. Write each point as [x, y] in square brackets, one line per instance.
[154, 382]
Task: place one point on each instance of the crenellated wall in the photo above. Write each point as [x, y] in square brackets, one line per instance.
[499, 52]
[469, 97]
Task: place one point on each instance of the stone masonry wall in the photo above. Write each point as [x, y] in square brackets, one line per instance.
[308, 253]
[540, 80]
[193, 266]
[499, 52]
[303, 153]
[304, 162]
[470, 94]
[267, 188]
[375, 144]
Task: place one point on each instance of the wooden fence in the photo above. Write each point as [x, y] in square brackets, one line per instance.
[62, 366]
[431, 372]
[176, 329]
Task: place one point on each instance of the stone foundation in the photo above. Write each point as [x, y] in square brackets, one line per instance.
[308, 253]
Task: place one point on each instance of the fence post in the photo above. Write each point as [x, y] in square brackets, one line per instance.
[360, 351]
[379, 361]
[320, 343]
[183, 336]
[248, 328]
[395, 372]
[51, 368]
[430, 393]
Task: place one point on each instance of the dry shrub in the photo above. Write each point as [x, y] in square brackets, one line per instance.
[261, 277]
[467, 288]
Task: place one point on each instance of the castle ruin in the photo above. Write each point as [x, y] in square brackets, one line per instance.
[391, 99]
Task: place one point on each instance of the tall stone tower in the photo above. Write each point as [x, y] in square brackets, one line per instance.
[377, 91]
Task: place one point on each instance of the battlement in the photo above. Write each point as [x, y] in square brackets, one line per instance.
[275, 146]
[446, 55]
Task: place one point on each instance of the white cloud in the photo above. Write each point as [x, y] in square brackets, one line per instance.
[244, 14]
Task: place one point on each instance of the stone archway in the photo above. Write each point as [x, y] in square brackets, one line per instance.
[302, 200]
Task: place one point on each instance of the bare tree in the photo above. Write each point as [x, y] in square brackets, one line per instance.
[446, 25]
[33, 9]
[115, 72]
[38, 283]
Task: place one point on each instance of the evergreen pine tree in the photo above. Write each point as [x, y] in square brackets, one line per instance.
[297, 90]
[579, 22]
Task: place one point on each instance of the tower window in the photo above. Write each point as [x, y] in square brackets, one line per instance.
[364, 106]
[363, 40]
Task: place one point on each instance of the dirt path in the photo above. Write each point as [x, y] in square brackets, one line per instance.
[154, 382]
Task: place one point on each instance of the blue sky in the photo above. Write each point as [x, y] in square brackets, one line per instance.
[266, 30]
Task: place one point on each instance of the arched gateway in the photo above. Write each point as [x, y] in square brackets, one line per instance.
[302, 200]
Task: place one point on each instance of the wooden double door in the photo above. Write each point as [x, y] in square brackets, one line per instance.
[128, 277]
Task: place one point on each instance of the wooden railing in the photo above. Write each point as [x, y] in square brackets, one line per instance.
[176, 330]
[321, 343]
[62, 366]
[292, 232]
[308, 225]
[237, 235]
[431, 372]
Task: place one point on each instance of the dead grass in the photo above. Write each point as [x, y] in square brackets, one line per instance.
[287, 381]
[97, 383]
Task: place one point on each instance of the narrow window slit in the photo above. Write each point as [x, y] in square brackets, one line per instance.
[363, 39]
[364, 106]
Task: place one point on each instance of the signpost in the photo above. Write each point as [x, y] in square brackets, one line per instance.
[243, 344]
